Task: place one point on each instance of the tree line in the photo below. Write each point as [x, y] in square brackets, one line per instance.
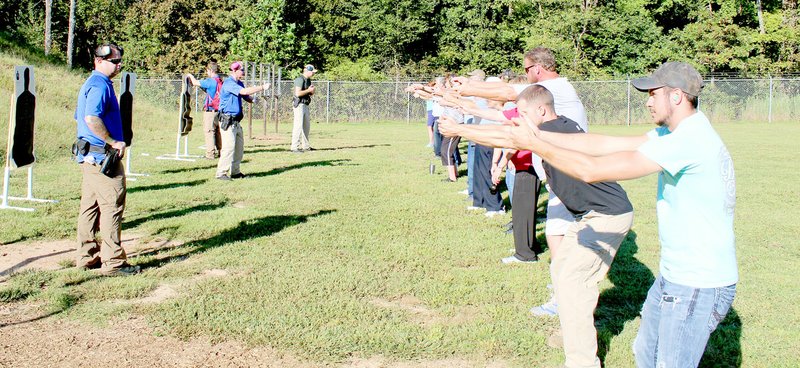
[381, 39]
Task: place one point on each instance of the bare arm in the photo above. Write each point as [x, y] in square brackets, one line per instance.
[593, 144]
[469, 107]
[489, 90]
[253, 90]
[302, 92]
[485, 135]
[194, 80]
[98, 128]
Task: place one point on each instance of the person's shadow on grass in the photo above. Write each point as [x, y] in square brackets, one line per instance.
[245, 230]
[623, 302]
[279, 170]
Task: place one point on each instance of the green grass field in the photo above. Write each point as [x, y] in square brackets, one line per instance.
[354, 250]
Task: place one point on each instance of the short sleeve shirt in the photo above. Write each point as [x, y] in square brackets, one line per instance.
[230, 102]
[210, 86]
[578, 196]
[303, 83]
[695, 203]
[97, 98]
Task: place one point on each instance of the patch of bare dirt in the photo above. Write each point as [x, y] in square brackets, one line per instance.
[421, 314]
[54, 254]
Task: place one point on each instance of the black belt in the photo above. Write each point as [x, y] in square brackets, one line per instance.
[211, 110]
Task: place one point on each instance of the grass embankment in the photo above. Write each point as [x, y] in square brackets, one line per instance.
[355, 250]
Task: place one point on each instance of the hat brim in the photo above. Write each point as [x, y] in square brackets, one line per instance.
[645, 84]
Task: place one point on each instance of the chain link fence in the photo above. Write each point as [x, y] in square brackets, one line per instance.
[606, 102]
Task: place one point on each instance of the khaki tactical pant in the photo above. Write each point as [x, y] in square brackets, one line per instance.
[301, 128]
[583, 259]
[230, 157]
[212, 134]
[102, 205]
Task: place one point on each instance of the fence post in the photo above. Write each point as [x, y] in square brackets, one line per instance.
[628, 118]
[408, 107]
[328, 103]
[769, 115]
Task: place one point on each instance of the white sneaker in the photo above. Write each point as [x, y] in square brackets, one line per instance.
[464, 192]
[549, 309]
[494, 213]
[514, 259]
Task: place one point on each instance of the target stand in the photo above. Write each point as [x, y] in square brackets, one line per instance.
[184, 126]
[19, 152]
[126, 112]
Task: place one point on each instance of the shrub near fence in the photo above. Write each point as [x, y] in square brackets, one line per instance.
[607, 102]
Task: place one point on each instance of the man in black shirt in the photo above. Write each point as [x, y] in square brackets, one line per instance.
[603, 216]
[303, 90]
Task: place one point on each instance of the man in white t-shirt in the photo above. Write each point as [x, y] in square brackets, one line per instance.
[540, 68]
[695, 203]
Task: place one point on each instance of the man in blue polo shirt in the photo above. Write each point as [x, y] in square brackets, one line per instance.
[230, 107]
[210, 108]
[99, 126]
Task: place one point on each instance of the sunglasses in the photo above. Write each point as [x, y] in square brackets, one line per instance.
[529, 67]
[114, 61]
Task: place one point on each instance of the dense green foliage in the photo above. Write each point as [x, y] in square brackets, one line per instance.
[592, 38]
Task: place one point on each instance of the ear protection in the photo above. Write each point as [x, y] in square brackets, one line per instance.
[104, 51]
[675, 98]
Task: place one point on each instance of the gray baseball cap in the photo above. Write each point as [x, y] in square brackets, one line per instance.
[672, 74]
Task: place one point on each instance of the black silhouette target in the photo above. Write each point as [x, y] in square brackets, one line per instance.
[126, 106]
[185, 106]
[21, 145]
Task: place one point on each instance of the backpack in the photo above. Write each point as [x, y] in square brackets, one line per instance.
[213, 103]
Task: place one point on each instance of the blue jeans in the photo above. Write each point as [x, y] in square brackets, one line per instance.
[677, 321]
[510, 173]
[470, 167]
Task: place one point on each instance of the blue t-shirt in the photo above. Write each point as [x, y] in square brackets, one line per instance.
[210, 86]
[695, 204]
[229, 100]
[97, 98]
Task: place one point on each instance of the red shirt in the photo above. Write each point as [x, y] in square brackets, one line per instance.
[522, 159]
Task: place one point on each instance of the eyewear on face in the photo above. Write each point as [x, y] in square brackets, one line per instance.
[114, 61]
[529, 67]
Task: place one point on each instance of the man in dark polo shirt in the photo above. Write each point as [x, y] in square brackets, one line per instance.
[603, 217]
[303, 90]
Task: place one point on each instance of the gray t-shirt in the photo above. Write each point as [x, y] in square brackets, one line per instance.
[303, 84]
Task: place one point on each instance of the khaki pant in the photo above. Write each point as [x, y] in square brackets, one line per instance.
[230, 156]
[300, 128]
[583, 259]
[212, 134]
[102, 204]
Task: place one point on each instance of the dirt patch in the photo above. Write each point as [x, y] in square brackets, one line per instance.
[421, 314]
[30, 342]
[54, 254]
[381, 362]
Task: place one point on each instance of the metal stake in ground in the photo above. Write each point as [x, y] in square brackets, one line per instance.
[184, 125]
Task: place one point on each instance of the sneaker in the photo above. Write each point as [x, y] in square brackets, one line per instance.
[549, 309]
[238, 176]
[464, 192]
[125, 270]
[224, 177]
[494, 213]
[474, 208]
[514, 259]
[429, 145]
